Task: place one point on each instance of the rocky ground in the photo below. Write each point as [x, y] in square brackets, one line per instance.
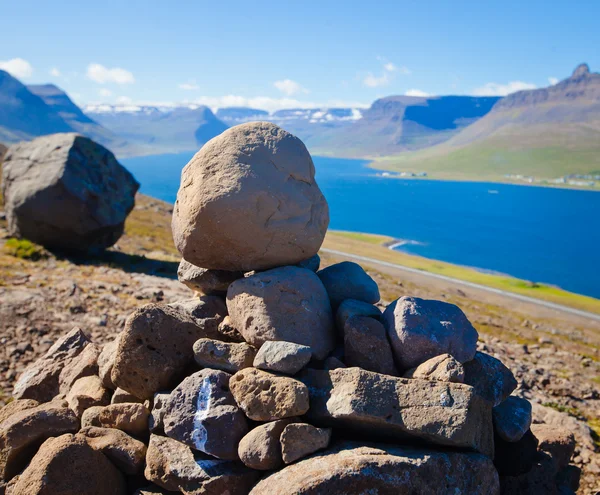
[44, 298]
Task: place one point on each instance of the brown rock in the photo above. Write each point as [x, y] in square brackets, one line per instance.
[301, 439]
[122, 397]
[228, 332]
[40, 380]
[491, 379]
[173, 466]
[288, 304]
[261, 448]
[266, 397]
[125, 452]
[208, 282]
[366, 345]
[16, 406]
[67, 465]
[254, 178]
[443, 368]
[24, 431]
[558, 442]
[85, 364]
[106, 360]
[131, 418]
[87, 392]
[354, 469]
[225, 356]
[400, 408]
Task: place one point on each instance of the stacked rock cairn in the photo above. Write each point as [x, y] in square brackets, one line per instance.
[276, 377]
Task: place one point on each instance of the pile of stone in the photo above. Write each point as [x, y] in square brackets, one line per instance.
[277, 377]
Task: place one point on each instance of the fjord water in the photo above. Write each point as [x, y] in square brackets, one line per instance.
[535, 233]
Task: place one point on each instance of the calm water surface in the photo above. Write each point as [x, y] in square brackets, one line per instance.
[539, 234]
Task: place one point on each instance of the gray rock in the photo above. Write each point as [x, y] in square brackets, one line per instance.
[443, 368]
[450, 414]
[157, 415]
[207, 311]
[208, 282]
[261, 448]
[313, 263]
[358, 469]
[225, 356]
[106, 360]
[347, 280]
[512, 418]
[366, 345]
[301, 439]
[288, 304]
[282, 357]
[202, 413]
[248, 200]
[491, 379]
[420, 329]
[353, 307]
[66, 191]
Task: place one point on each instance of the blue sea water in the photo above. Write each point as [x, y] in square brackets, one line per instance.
[535, 233]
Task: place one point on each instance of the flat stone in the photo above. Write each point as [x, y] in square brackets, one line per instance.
[261, 448]
[85, 364]
[366, 345]
[512, 418]
[558, 442]
[515, 458]
[491, 379]
[131, 418]
[208, 282]
[266, 397]
[23, 431]
[122, 396]
[353, 307]
[443, 368]
[301, 439]
[288, 304]
[282, 357]
[174, 466]
[202, 413]
[225, 356]
[87, 392]
[355, 469]
[420, 329]
[348, 280]
[450, 414]
[125, 452]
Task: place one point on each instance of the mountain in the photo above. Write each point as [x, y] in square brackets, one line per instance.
[159, 129]
[238, 115]
[544, 133]
[398, 123]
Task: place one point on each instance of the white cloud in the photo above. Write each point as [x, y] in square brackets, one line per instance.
[289, 87]
[189, 86]
[553, 80]
[124, 100]
[54, 72]
[373, 81]
[416, 92]
[105, 92]
[17, 67]
[271, 104]
[100, 74]
[495, 89]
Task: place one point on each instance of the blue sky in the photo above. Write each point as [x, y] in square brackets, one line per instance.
[278, 54]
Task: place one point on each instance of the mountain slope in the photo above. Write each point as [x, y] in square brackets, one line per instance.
[545, 133]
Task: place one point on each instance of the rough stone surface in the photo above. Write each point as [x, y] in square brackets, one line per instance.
[207, 311]
[383, 406]
[40, 380]
[313, 263]
[301, 439]
[515, 458]
[85, 364]
[209, 282]
[366, 345]
[420, 329]
[202, 413]
[288, 304]
[16, 406]
[106, 360]
[154, 349]
[172, 465]
[261, 447]
[353, 307]
[558, 442]
[353, 469]
[253, 178]
[125, 452]
[443, 368]
[228, 332]
[23, 431]
[67, 465]
[347, 280]
[266, 397]
[491, 379]
[122, 396]
[282, 357]
[87, 392]
[512, 418]
[66, 191]
[156, 419]
[225, 356]
[131, 418]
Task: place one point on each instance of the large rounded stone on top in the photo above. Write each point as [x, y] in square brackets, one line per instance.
[287, 303]
[420, 329]
[248, 200]
[66, 191]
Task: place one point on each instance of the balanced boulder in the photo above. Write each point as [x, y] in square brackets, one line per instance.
[66, 191]
[248, 200]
